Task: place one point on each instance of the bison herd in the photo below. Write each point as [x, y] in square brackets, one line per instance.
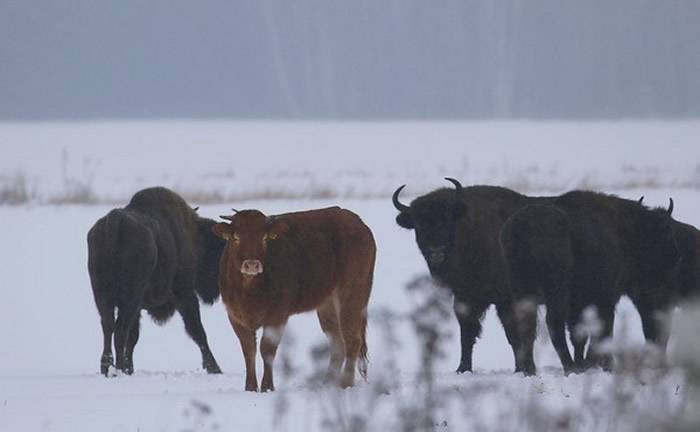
[489, 245]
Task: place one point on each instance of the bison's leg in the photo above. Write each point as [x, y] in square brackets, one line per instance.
[556, 324]
[246, 337]
[107, 320]
[520, 324]
[597, 356]
[128, 315]
[655, 324]
[134, 333]
[557, 302]
[469, 316]
[268, 348]
[577, 335]
[188, 306]
[328, 317]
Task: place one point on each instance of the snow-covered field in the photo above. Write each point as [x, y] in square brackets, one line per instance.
[50, 339]
[232, 161]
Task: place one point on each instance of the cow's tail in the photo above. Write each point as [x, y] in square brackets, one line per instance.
[363, 360]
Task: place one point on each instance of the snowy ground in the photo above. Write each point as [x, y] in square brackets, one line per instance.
[51, 340]
[232, 161]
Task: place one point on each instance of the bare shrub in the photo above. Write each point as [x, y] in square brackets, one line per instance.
[77, 188]
[16, 190]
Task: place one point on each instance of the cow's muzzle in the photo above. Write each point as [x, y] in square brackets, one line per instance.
[251, 267]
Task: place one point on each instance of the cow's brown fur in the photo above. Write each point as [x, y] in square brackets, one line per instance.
[319, 260]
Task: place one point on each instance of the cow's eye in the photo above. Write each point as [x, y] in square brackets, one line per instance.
[271, 236]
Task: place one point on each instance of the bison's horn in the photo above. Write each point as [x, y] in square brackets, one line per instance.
[228, 218]
[670, 206]
[395, 199]
[458, 185]
[641, 200]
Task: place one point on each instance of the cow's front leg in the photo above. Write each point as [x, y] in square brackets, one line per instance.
[469, 316]
[246, 337]
[272, 335]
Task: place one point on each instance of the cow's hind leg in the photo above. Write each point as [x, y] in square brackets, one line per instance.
[271, 338]
[328, 318]
[353, 322]
[107, 321]
[188, 306]
[127, 318]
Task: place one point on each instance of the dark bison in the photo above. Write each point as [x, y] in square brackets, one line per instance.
[539, 255]
[155, 254]
[457, 231]
[277, 266]
[590, 249]
[686, 280]
[606, 245]
[655, 305]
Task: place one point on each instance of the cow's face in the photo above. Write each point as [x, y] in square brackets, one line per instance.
[248, 236]
[434, 219]
[655, 235]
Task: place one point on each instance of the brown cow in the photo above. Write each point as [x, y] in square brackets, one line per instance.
[277, 266]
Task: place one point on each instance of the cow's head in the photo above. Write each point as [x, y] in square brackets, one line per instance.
[248, 235]
[434, 218]
[657, 245]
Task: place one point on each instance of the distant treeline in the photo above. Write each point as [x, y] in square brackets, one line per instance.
[446, 59]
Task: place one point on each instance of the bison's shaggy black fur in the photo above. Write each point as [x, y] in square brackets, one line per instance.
[155, 254]
[490, 245]
[596, 247]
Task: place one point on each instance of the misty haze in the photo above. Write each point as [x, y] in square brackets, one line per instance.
[452, 59]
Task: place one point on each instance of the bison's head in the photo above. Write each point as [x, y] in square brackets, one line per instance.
[657, 244]
[248, 235]
[434, 218]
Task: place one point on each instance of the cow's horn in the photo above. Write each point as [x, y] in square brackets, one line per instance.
[458, 185]
[395, 199]
[641, 200]
[228, 218]
[670, 206]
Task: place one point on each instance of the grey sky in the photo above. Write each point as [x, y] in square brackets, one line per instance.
[349, 59]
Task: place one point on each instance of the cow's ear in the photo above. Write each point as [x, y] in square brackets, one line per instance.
[460, 209]
[222, 230]
[277, 229]
[405, 220]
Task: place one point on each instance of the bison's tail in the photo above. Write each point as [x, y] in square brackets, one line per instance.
[363, 361]
[101, 253]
